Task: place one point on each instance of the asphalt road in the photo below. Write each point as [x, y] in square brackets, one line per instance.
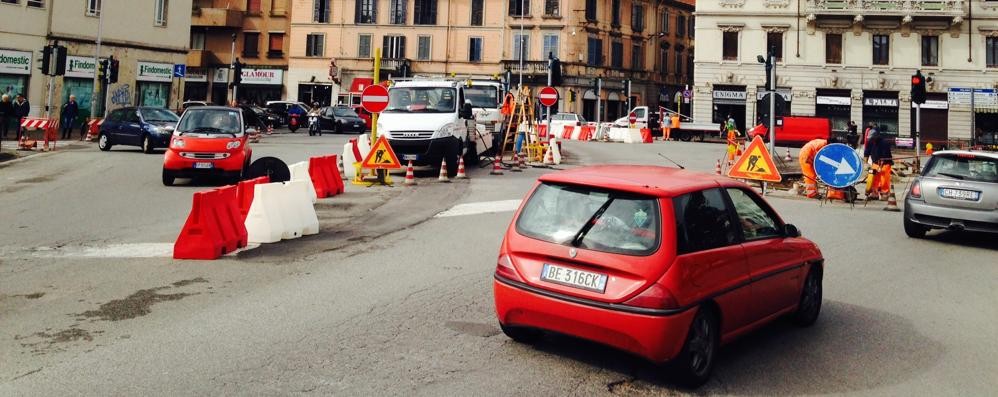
[389, 300]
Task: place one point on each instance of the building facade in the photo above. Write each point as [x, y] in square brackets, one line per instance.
[253, 31]
[852, 60]
[147, 38]
[648, 42]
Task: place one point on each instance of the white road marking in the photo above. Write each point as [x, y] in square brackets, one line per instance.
[485, 207]
[134, 250]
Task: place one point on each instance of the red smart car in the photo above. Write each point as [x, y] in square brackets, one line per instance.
[660, 262]
[210, 141]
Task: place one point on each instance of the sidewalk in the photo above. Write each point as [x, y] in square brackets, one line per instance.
[9, 153]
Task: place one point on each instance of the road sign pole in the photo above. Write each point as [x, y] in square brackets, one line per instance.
[97, 85]
[918, 134]
[549, 108]
[772, 105]
[377, 80]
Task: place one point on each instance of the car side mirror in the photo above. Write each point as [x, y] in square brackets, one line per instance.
[466, 111]
[790, 230]
[169, 128]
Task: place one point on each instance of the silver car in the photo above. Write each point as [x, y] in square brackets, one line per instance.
[957, 190]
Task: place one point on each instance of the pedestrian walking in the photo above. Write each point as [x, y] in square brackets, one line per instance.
[21, 110]
[6, 113]
[852, 137]
[69, 112]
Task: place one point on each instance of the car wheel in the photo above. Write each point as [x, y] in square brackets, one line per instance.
[104, 142]
[810, 299]
[147, 146]
[913, 229]
[521, 334]
[168, 178]
[695, 362]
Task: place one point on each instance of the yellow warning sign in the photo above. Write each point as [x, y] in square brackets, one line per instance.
[756, 163]
[381, 156]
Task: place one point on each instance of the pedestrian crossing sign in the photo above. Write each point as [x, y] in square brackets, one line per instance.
[756, 163]
[381, 156]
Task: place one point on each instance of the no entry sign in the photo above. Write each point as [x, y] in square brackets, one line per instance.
[374, 98]
[548, 96]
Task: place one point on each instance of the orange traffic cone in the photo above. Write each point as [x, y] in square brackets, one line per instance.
[496, 168]
[892, 202]
[522, 162]
[788, 158]
[548, 156]
[460, 169]
[443, 171]
[717, 168]
[410, 177]
[516, 163]
[741, 146]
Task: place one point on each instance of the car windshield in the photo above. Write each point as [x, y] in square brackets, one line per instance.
[421, 100]
[154, 114]
[210, 122]
[344, 112]
[483, 96]
[967, 167]
[591, 218]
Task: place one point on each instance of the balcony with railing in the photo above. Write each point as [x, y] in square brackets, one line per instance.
[217, 18]
[906, 9]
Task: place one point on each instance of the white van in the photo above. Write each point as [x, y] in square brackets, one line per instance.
[429, 120]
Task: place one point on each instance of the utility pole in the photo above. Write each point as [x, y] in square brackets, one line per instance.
[520, 43]
[599, 100]
[772, 101]
[550, 70]
[97, 91]
[232, 68]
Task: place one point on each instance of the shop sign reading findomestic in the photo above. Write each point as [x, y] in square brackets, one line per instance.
[15, 62]
[149, 71]
[882, 102]
[77, 66]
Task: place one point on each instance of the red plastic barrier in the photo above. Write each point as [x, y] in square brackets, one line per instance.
[317, 170]
[542, 131]
[244, 194]
[334, 175]
[566, 132]
[646, 135]
[356, 153]
[213, 228]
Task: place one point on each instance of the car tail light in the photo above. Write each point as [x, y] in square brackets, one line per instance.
[916, 189]
[505, 269]
[655, 297]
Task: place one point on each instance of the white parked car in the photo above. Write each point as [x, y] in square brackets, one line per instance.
[560, 120]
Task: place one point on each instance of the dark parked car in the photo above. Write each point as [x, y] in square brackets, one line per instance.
[340, 119]
[146, 127]
[266, 116]
[281, 108]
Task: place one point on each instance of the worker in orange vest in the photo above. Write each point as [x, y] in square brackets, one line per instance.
[806, 159]
[675, 126]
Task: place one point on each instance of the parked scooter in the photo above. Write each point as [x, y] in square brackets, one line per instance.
[294, 122]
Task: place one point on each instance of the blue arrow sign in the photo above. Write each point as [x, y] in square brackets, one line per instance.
[179, 70]
[838, 165]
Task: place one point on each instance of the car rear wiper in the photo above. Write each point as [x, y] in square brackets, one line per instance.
[591, 222]
[955, 176]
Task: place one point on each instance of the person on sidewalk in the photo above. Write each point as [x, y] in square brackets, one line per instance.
[852, 136]
[21, 110]
[69, 112]
[6, 113]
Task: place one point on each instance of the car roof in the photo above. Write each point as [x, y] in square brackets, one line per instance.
[991, 155]
[427, 83]
[200, 108]
[648, 180]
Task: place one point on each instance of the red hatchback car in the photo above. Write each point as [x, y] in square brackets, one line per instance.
[660, 262]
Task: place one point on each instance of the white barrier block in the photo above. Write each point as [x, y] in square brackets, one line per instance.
[348, 159]
[299, 173]
[364, 144]
[306, 211]
[264, 223]
[555, 151]
[633, 136]
[576, 132]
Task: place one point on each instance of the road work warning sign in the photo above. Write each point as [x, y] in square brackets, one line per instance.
[756, 164]
[381, 156]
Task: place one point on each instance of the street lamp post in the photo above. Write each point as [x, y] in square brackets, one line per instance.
[232, 68]
[100, 30]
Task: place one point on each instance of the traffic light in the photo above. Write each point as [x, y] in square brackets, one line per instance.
[46, 60]
[237, 72]
[556, 80]
[112, 70]
[571, 96]
[102, 67]
[918, 88]
[59, 55]
[597, 84]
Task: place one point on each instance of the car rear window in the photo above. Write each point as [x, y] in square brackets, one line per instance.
[968, 167]
[590, 218]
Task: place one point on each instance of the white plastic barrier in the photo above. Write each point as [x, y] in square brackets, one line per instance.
[555, 151]
[625, 135]
[348, 159]
[576, 131]
[364, 144]
[299, 173]
[280, 210]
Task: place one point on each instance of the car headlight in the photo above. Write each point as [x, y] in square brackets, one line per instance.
[177, 142]
[233, 145]
[446, 130]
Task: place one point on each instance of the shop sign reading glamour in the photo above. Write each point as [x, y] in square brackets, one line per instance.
[263, 76]
[149, 71]
[15, 62]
